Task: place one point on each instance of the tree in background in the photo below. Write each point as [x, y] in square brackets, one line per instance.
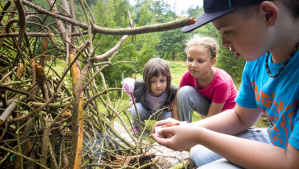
[46, 122]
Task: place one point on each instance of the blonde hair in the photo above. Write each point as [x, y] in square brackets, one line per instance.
[199, 41]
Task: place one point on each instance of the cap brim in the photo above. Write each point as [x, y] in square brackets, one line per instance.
[206, 18]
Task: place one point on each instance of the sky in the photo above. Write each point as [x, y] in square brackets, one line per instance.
[181, 4]
[184, 4]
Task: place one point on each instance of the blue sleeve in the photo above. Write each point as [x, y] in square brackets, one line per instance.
[294, 139]
[246, 96]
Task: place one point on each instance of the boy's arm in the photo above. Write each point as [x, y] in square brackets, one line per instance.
[247, 153]
[214, 109]
[243, 152]
[231, 121]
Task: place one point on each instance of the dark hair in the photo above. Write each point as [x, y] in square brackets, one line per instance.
[153, 68]
[293, 6]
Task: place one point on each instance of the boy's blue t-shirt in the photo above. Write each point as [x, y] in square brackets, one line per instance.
[276, 97]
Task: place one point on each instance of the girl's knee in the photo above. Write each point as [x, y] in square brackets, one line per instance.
[186, 91]
[132, 110]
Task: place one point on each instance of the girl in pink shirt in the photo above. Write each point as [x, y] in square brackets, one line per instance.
[203, 88]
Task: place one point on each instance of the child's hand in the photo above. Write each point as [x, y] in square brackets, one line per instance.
[164, 122]
[179, 138]
[169, 107]
[131, 104]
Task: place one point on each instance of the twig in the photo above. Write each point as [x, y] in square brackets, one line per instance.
[9, 109]
[21, 155]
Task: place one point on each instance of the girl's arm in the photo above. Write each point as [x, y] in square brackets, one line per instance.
[215, 108]
[175, 113]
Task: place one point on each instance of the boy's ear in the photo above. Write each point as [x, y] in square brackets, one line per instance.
[270, 12]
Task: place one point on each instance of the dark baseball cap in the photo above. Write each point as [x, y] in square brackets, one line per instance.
[214, 9]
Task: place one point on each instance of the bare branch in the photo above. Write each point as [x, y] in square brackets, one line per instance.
[21, 155]
[112, 50]
[9, 109]
[4, 8]
[22, 20]
[123, 31]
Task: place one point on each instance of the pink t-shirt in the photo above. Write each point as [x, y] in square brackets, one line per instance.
[221, 89]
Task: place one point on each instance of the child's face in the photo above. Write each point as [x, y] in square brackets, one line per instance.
[199, 62]
[246, 37]
[158, 85]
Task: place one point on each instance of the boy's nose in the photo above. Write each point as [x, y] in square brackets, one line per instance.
[225, 43]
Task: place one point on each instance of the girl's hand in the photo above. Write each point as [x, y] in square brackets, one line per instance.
[164, 122]
[179, 138]
[131, 104]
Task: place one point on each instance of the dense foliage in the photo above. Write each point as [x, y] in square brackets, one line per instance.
[168, 45]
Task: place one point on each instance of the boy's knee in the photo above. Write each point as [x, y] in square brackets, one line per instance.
[201, 155]
[194, 155]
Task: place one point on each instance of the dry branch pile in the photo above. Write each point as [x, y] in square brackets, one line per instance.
[45, 123]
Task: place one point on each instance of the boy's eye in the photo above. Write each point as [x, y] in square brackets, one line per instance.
[227, 32]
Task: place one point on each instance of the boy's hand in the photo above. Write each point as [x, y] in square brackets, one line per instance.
[164, 122]
[177, 137]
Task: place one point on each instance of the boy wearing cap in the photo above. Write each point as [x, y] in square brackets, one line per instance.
[266, 34]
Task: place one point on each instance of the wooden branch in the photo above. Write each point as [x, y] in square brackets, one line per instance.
[182, 165]
[8, 24]
[44, 51]
[21, 91]
[121, 120]
[99, 94]
[112, 50]
[45, 145]
[50, 105]
[9, 109]
[123, 31]
[131, 159]
[4, 9]
[117, 134]
[61, 112]
[58, 22]
[14, 120]
[7, 74]
[21, 155]
[31, 34]
[22, 21]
